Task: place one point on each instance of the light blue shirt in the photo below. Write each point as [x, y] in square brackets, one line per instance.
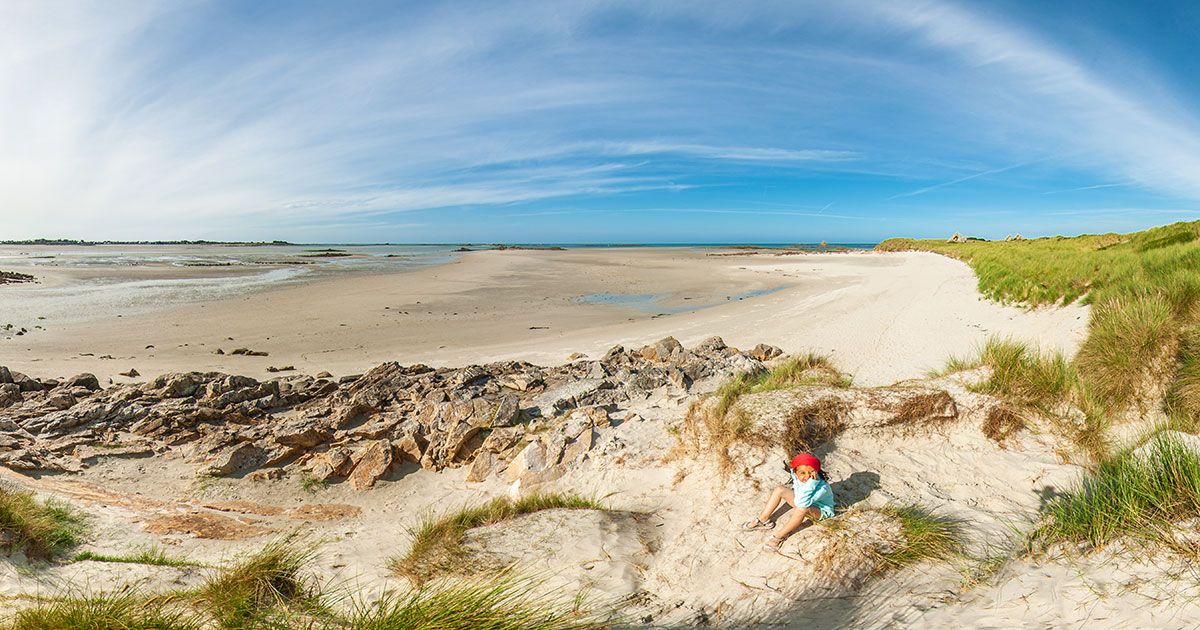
[813, 493]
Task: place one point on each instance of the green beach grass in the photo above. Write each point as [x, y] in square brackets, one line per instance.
[1142, 337]
[40, 529]
[437, 547]
[273, 590]
[1144, 497]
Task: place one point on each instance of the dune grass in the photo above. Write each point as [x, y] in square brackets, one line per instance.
[793, 371]
[927, 536]
[1139, 497]
[264, 589]
[272, 590]
[125, 611]
[1142, 339]
[152, 556]
[438, 549]
[41, 529]
[501, 603]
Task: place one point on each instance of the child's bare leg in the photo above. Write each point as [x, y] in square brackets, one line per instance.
[797, 517]
[780, 493]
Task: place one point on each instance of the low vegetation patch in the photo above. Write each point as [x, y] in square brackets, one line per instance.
[501, 603]
[438, 549]
[270, 591]
[927, 536]
[806, 369]
[127, 611]
[1137, 496]
[263, 589]
[154, 556]
[42, 529]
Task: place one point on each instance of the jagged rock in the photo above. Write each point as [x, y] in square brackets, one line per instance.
[443, 447]
[438, 418]
[370, 463]
[411, 447]
[508, 412]
[502, 439]
[575, 356]
[665, 350]
[957, 238]
[484, 465]
[10, 394]
[305, 433]
[5, 376]
[520, 382]
[764, 352]
[25, 383]
[231, 459]
[531, 459]
[85, 380]
[266, 474]
[580, 445]
[60, 399]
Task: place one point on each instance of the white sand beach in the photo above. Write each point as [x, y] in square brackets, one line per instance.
[881, 317]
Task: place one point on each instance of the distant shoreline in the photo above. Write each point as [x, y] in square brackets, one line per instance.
[817, 246]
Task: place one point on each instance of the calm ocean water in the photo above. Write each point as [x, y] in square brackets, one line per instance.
[157, 276]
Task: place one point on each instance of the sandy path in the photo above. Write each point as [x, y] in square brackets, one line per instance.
[883, 317]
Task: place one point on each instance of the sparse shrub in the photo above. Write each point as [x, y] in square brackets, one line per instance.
[805, 369]
[42, 529]
[437, 546]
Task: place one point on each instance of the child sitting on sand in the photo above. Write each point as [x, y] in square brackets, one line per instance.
[810, 497]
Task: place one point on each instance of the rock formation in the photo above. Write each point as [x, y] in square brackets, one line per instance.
[357, 428]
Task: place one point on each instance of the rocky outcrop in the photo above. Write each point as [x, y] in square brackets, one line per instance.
[355, 428]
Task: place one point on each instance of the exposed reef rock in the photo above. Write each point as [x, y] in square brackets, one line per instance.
[357, 428]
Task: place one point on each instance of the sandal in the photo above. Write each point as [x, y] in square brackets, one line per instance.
[773, 544]
[757, 524]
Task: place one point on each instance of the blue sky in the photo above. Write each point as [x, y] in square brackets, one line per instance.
[845, 121]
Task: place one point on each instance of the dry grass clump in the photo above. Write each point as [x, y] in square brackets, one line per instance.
[927, 536]
[269, 591]
[1001, 423]
[437, 547]
[924, 410]
[813, 424]
[41, 529]
[1143, 498]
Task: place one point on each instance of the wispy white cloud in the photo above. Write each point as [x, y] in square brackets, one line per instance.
[1100, 121]
[959, 180]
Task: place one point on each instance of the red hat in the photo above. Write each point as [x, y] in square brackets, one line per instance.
[804, 459]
